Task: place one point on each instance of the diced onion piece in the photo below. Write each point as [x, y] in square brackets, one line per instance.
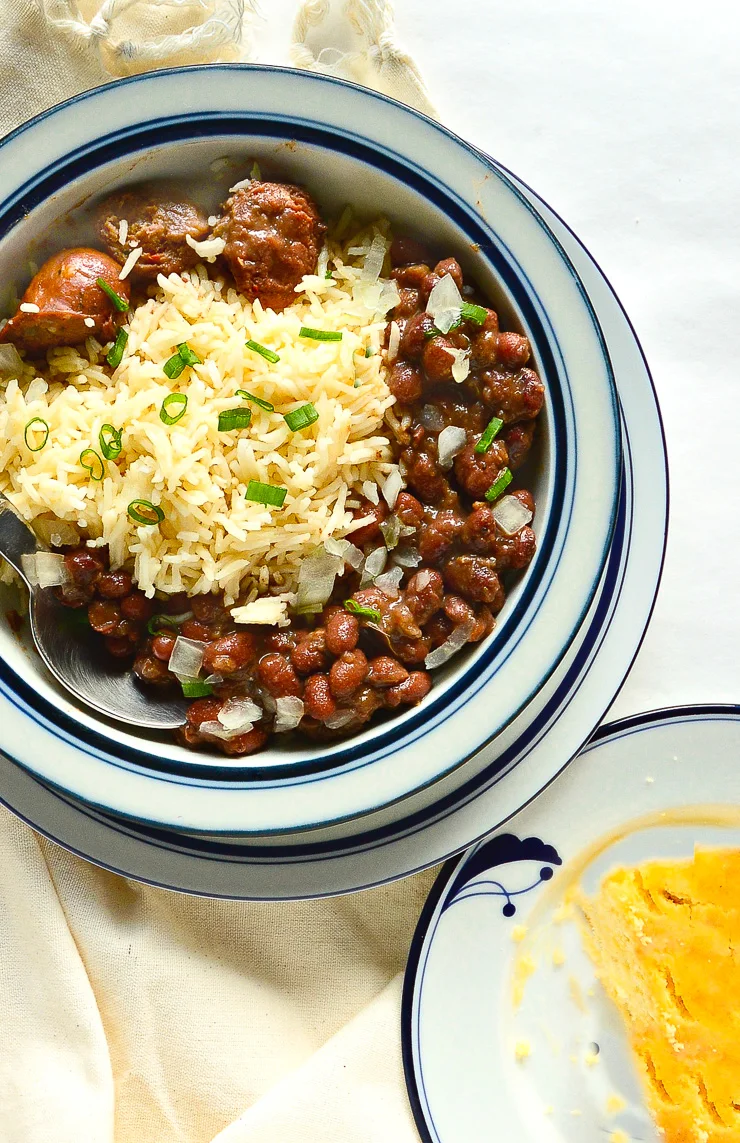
[129, 264]
[431, 418]
[391, 529]
[11, 362]
[186, 659]
[316, 580]
[338, 719]
[216, 730]
[423, 579]
[374, 259]
[394, 340]
[239, 714]
[208, 248]
[288, 713]
[445, 304]
[450, 442]
[58, 533]
[346, 551]
[389, 582]
[451, 645]
[406, 556]
[392, 486]
[511, 515]
[269, 610]
[374, 565]
[241, 184]
[389, 297]
[460, 363]
[28, 563]
[122, 231]
[322, 262]
[45, 569]
[370, 491]
[214, 680]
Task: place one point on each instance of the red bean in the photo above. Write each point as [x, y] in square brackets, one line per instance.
[405, 382]
[282, 641]
[137, 607]
[513, 350]
[83, 566]
[371, 530]
[477, 471]
[149, 668]
[436, 361]
[458, 610]
[408, 304]
[104, 617]
[278, 676]
[205, 608]
[405, 250]
[415, 335]
[230, 653]
[409, 692]
[192, 629]
[163, 646]
[342, 632]
[439, 534]
[348, 673]
[385, 671]
[242, 744]
[474, 577]
[114, 584]
[317, 698]
[424, 594]
[204, 710]
[452, 267]
[119, 648]
[412, 650]
[481, 532]
[309, 653]
[409, 510]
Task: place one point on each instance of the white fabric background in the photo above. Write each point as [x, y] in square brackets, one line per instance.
[132, 1015]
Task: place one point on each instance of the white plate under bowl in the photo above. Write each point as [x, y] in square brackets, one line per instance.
[651, 786]
[444, 818]
[413, 169]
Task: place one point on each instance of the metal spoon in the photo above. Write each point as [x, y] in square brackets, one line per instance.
[74, 653]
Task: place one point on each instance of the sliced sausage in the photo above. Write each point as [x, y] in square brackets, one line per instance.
[160, 222]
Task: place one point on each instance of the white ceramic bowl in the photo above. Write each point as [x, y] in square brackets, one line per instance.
[346, 144]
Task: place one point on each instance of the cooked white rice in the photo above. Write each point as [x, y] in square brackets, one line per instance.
[211, 537]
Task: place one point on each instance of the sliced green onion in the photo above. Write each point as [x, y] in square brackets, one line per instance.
[189, 356]
[157, 622]
[329, 274]
[502, 481]
[471, 312]
[231, 419]
[90, 460]
[178, 403]
[363, 612]
[319, 334]
[173, 366]
[434, 332]
[268, 354]
[120, 303]
[195, 688]
[491, 431]
[267, 494]
[255, 400]
[301, 418]
[31, 427]
[144, 512]
[110, 441]
[114, 356]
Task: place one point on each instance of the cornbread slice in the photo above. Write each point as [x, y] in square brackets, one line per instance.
[663, 937]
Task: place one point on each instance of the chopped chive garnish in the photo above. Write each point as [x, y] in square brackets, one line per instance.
[173, 366]
[433, 332]
[231, 419]
[195, 688]
[268, 354]
[36, 425]
[90, 460]
[173, 408]
[157, 622]
[471, 312]
[144, 512]
[110, 441]
[120, 303]
[455, 325]
[363, 612]
[329, 274]
[319, 334]
[369, 352]
[267, 494]
[255, 400]
[114, 356]
[301, 418]
[189, 356]
[502, 481]
[491, 431]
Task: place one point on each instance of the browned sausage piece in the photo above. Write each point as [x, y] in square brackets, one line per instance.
[273, 233]
[65, 292]
[159, 221]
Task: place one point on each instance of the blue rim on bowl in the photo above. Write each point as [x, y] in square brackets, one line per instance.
[147, 780]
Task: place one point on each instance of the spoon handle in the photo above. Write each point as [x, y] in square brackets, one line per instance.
[16, 538]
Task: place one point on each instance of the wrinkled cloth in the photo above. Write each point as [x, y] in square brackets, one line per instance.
[130, 1014]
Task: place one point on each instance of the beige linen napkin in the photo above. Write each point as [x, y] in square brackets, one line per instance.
[130, 1014]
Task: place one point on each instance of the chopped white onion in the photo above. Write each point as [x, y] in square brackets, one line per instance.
[239, 713]
[11, 362]
[288, 713]
[58, 533]
[322, 262]
[406, 556]
[338, 719]
[389, 297]
[511, 515]
[451, 645]
[186, 659]
[240, 185]
[460, 363]
[216, 730]
[28, 563]
[45, 569]
[122, 231]
[374, 565]
[391, 487]
[445, 303]
[268, 609]
[316, 579]
[423, 579]
[214, 680]
[394, 340]
[208, 248]
[374, 259]
[370, 491]
[389, 582]
[129, 264]
[391, 529]
[431, 418]
[346, 551]
[450, 442]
